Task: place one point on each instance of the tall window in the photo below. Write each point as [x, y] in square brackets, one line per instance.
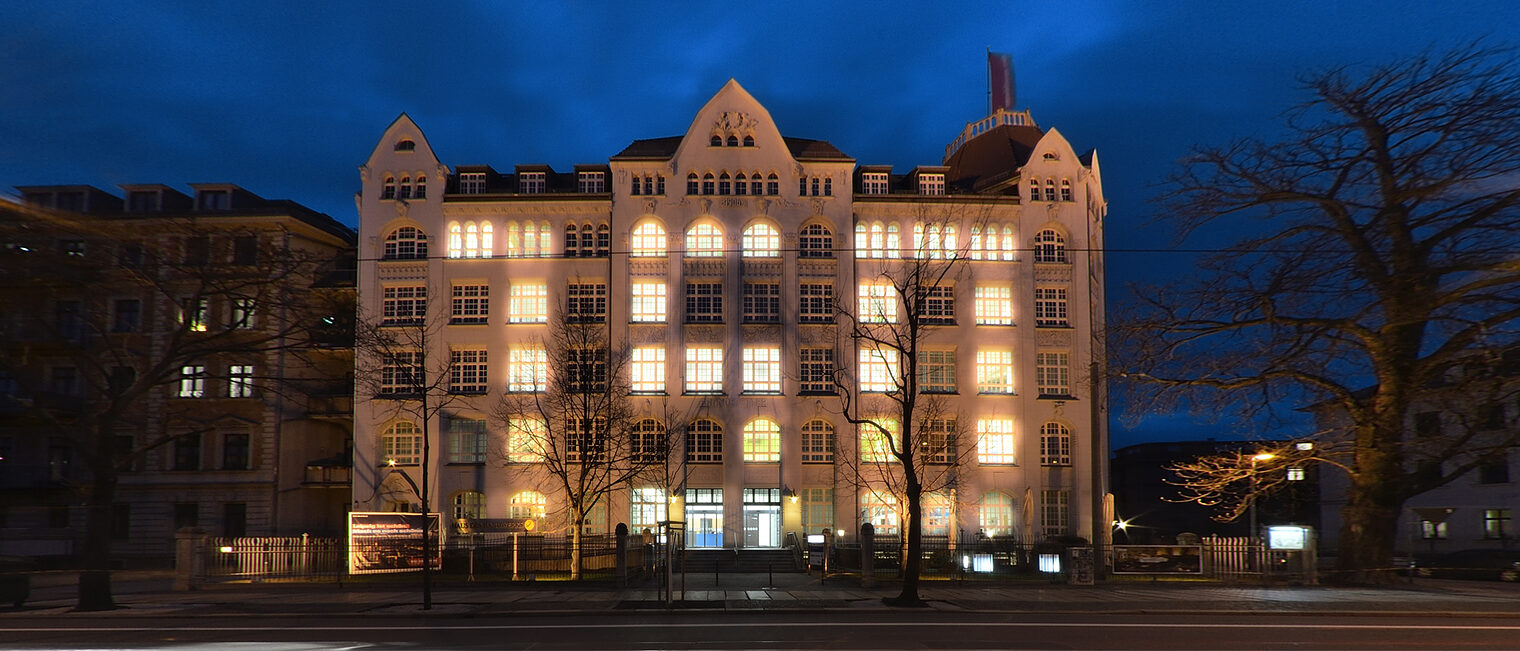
[762, 370]
[877, 440]
[187, 452]
[405, 305]
[648, 240]
[1055, 512]
[692, 185]
[878, 370]
[240, 381]
[880, 509]
[873, 183]
[387, 189]
[816, 303]
[528, 504]
[472, 183]
[406, 243]
[646, 509]
[127, 315]
[773, 184]
[470, 304]
[529, 303]
[586, 439]
[936, 441]
[704, 241]
[994, 371]
[762, 441]
[704, 442]
[1050, 307]
[761, 241]
[1053, 374]
[648, 301]
[815, 241]
[1065, 189]
[876, 240]
[467, 371]
[401, 373]
[527, 370]
[995, 514]
[762, 302]
[192, 381]
[817, 441]
[527, 239]
[938, 306]
[707, 183]
[817, 370]
[194, 314]
[704, 370]
[1055, 445]
[531, 182]
[936, 371]
[471, 240]
[992, 242]
[586, 370]
[648, 373]
[878, 303]
[1049, 246]
[401, 445]
[527, 439]
[1496, 524]
[240, 313]
[817, 509]
[704, 302]
[994, 305]
[586, 303]
[235, 451]
[466, 440]
[648, 441]
[469, 505]
[994, 441]
[725, 184]
[934, 241]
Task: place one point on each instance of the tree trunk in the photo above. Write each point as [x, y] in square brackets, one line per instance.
[575, 543]
[95, 579]
[914, 556]
[1369, 526]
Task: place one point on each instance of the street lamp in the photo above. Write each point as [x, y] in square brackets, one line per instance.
[1264, 456]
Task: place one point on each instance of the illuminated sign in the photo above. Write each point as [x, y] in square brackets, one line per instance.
[1287, 538]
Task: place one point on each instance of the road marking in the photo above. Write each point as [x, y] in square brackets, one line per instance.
[832, 625]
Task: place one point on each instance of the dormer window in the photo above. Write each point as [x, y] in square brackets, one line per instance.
[218, 200]
[530, 183]
[142, 201]
[591, 182]
[1051, 156]
[472, 183]
[931, 184]
[406, 144]
[873, 183]
[749, 141]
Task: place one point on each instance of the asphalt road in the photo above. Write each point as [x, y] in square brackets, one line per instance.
[720, 630]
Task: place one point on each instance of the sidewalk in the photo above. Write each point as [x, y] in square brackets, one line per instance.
[790, 592]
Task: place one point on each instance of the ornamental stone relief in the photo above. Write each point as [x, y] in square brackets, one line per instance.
[1053, 338]
[762, 333]
[646, 334]
[706, 334]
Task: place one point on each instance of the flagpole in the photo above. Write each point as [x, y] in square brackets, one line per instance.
[989, 80]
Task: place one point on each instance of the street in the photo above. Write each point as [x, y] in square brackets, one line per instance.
[728, 630]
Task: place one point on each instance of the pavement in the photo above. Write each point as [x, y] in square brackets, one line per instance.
[152, 594]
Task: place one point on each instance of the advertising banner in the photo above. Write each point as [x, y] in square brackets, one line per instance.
[381, 543]
[1158, 559]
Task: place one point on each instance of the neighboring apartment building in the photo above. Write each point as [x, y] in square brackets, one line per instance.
[717, 257]
[213, 329]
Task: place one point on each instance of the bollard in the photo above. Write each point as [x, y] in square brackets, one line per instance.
[867, 555]
[622, 555]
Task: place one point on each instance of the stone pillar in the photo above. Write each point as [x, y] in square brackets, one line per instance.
[189, 558]
[867, 556]
[622, 555]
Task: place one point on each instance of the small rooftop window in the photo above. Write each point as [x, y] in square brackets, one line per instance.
[1051, 156]
[405, 145]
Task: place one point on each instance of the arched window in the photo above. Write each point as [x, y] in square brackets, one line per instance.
[725, 186]
[754, 184]
[419, 190]
[469, 505]
[862, 240]
[1050, 190]
[740, 187]
[570, 241]
[762, 441]
[648, 240]
[471, 240]
[715, 141]
[405, 191]
[1034, 190]
[975, 245]
[749, 141]
[761, 241]
[487, 240]
[817, 441]
[773, 184]
[704, 241]
[528, 504]
[401, 445]
[1049, 246]
[406, 243]
[588, 240]
[388, 188]
[995, 514]
[1009, 247]
[603, 239]
[894, 244]
[816, 241]
[405, 145]
[733, 141]
[514, 240]
[543, 239]
[707, 183]
[1065, 190]
[691, 183]
[1055, 445]
[456, 240]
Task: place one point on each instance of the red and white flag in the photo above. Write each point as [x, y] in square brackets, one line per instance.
[1000, 80]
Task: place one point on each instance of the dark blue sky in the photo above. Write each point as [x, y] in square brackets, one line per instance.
[288, 98]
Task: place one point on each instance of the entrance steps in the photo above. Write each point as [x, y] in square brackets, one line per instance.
[752, 561]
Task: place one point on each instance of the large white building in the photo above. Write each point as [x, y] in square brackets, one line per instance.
[716, 255]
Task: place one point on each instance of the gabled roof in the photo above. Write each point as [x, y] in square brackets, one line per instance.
[664, 148]
[807, 149]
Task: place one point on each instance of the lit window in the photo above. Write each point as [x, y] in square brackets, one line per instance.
[193, 315]
[995, 514]
[529, 303]
[648, 240]
[466, 440]
[192, 382]
[527, 239]
[878, 370]
[817, 509]
[934, 241]
[762, 370]
[936, 513]
[931, 184]
[1050, 307]
[704, 302]
[704, 370]
[530, 183]
[591, 182]
[873, 183]
[240, 381]
[470, 304]
[648, 374]
[994, 305]
[994, 371]
[406, 243]
[994, 441]
[472, 183]
[815, 241]
[815, 303]
[817, 441]
[1295, 474]
[1049, 246]
[1432, 530]
[878, 303]
[878, 437]
[880, 509]
[704, 241]
[586, 303]
[527, 439]
[1055, 512]
[467, 371]
[1055, 445]
[936, 371]
[704, 442]
[528, 504]
[762, 441]
[761, 241]
[648, 301]
[476, 241]
[527, 369]
[1053, 374]
[469, 505]
[762, 302]
[937, 441]
[817, 370]
[401, 445]
[456, 240]
[646, 509]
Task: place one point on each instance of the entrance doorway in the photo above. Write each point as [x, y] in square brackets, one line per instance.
[762, 517]
[704, 517]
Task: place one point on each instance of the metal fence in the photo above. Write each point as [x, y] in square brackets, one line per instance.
[981, 558]
[275, 557]
[534, 555]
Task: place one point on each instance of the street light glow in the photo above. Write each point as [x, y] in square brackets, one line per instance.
[1265, 456]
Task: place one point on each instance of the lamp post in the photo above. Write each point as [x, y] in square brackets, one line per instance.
[1265, 456]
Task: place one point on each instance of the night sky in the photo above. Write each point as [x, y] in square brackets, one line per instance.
[288, 98]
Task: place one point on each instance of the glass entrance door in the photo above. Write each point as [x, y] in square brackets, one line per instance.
[762, 517]
[704, 517]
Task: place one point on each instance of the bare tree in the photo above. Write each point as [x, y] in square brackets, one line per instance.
[577, 428]
[1387, 265]
[59, 275]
